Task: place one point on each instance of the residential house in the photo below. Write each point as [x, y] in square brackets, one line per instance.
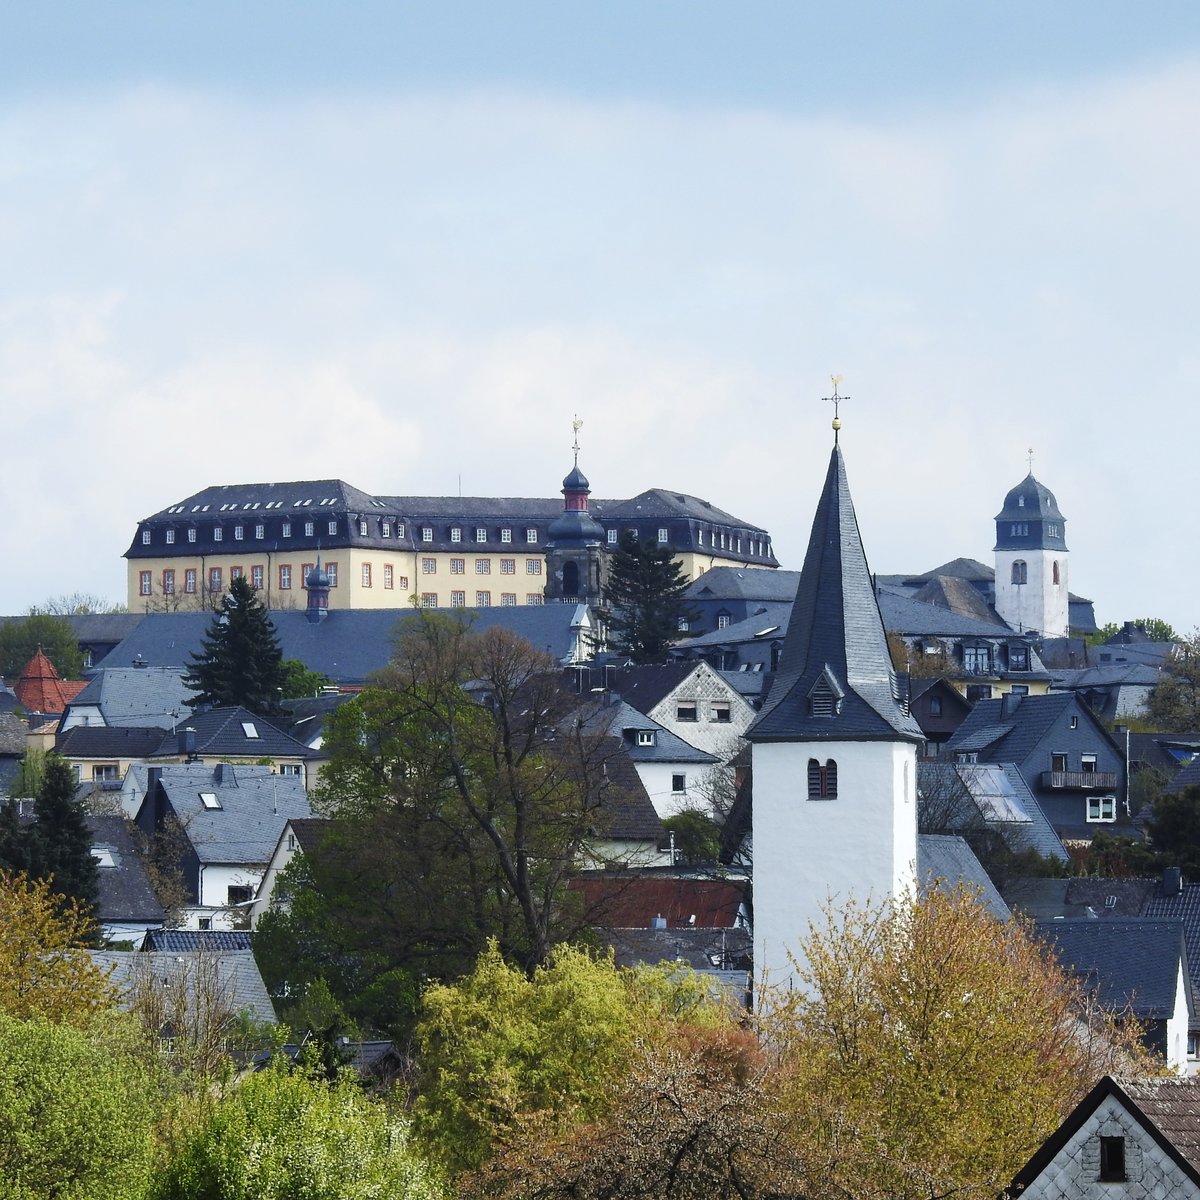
[1134, 965]
[1127, 1137]
[126, 906]
[299, 835]
[229, 818]
[103, 754]
[938, 707]
[141, 695]
[1070, 762]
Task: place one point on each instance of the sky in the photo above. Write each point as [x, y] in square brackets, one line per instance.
[404, 245]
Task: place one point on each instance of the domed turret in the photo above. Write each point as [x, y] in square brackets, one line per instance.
[1030, 517]
[575, 541]
[317, 583]
[1031, 560]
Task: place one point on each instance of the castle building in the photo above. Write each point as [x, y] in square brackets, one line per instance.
[1031, 561]
[443, 551]
[834, 750]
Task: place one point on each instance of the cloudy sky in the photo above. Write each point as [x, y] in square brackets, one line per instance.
[404, 244]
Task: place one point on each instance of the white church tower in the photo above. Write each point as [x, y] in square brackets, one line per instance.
[834, 750]
[1031, 561]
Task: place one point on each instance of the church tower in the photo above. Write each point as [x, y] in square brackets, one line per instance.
[575, 543]
[1031, 561]
[834, 750]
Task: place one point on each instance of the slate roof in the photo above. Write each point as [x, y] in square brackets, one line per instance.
[223, 731]
[1015, 736]
[1167, 1107]
[123, 892]
[107, 741]
[761, 627]
[945, 861]
[1045, 899]
[189, 941]
[349, 645]
[914, 618]
[1183, 906]
[745, 583]
[255, 806]
[1132, 962]
[836, 629]
[628, 813]
[137, 695]
[645, 686]
[958, 596]
[1188, 776]
[633, 901]
[12, 734]
[237, 973]
[701, 949]
[614, 716]
[305, 719]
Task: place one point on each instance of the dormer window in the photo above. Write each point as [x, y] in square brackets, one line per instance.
[1020, 501]
[309, 528]
[645, 737]
[480, 534]
[145, 537]
[456, 534]
[531, 536]
[170, 537]
[821, 700]
[191, 535]
[362, 528]
[239, 532]
[218, 533]
[426, 533]
[387, 529]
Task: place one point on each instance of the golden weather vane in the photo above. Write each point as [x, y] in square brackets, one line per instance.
[1031, 460]
[576, 425]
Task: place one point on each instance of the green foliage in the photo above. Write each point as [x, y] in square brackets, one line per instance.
[281, 1136]
[499, 1044]
[1117, 857]
[240, 661]
[1174, 705]
[1174, 828]
[76, 1115]
[645, 596]
[1155, 628]
[45, 971]
[60, 840]
[299, 682]
[74, 604]
[20, 639]
[697, 836]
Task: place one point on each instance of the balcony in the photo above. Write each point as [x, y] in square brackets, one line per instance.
[1081, 781]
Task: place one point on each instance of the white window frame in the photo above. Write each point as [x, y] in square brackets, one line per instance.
[506, 536]
[1101, 809]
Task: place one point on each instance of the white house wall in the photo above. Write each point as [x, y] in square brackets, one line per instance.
[812, 856]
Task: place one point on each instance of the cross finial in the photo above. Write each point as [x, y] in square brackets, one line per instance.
[835, 400]
[576, 425]
[1031, 460]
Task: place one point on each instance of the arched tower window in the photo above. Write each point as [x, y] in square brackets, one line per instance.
[570, 579]
[1020, 572]
[1057, 578]
[822, 779]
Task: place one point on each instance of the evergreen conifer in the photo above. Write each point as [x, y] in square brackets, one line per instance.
[645, 598]
[240, 661]
[60, 840]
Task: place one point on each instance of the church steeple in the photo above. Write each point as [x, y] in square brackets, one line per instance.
[835, 680]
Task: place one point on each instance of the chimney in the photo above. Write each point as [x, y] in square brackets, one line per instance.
[1172, 881]
[659, 922]
[1009, 703]
[186, 741]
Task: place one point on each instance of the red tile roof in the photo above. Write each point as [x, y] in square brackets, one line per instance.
[39, 688]
[616, 902]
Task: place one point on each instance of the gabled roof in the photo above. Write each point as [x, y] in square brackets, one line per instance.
[744, 583]
[632, 902]
[137, 695]
[1184, 906]
[234, 731]
[1014, 735]
[188, 941]
[107, 741]
[613, 716]
[123, 892]
[1188, 776]
[915, 618]
[628, 814]
[252, 805]
[1132, 962]
[646, 686]
[12, 735]
[945, 862]
[763, 626]
[835, 631]
[1167, 1108]
[958, 596]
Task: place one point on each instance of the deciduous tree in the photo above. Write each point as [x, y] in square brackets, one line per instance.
[645, 598]
[45, 970]
[1174, 705]
[239, 661]
[21, 638]
[929, 1049]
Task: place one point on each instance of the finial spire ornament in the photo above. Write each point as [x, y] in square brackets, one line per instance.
[1031, 460]
[576, 425]
[836, 400]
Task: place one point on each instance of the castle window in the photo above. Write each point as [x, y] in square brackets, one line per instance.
[1112, 1159]
[531, 536]
[285, 577]
[429, 599]
[145, 537]
[331, 574]
[235, 573]
[332, 528]
[458, 599]
[506, 535]
[426, 533]
[145, 583]
[480, 534]
[218, 533]
[483, 566]
[483, 599]
[362, 529]
[191, 535]
[239, 532]
[458, 566]
[508, 599]
[429, 566]
[612, 537]
[534, 598]
[256, 577]
[189, 581]
[260, 532]
[309, 529]
[1055, 575]
[387, 529]
[388, 577]
[722, 620]
[1019, 529]
[533, 566]
[214, 579]
[508, 566]
[456, 534]
[1020, 572]
[822, 780]
[170, 537]
[662, 537]
[366, 575]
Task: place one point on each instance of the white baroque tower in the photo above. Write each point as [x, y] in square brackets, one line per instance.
[834, 751]
[1031, 561]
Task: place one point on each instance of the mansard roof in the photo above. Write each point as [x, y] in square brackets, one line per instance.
[1030, 501]
[835, 631]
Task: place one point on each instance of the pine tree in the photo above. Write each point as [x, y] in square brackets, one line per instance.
[645, 597]
[60, 840]
[240, 661]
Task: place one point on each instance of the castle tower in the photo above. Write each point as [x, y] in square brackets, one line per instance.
[834, 750]
[575, 543]
[1031, 561]
[317, 583]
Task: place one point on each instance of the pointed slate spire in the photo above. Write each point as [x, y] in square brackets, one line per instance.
[835, 680]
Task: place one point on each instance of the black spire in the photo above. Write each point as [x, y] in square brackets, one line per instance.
[835, 678]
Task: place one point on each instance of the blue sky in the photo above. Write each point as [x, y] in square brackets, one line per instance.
[402, 245]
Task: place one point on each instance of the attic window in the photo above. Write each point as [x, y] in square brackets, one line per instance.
[821, 700]
[209, 800]
[1112, 1159]
[645, 737]
[249, 729]
[686, 712]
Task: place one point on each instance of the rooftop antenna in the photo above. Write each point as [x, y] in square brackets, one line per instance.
[576, 425]
[835, 400]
